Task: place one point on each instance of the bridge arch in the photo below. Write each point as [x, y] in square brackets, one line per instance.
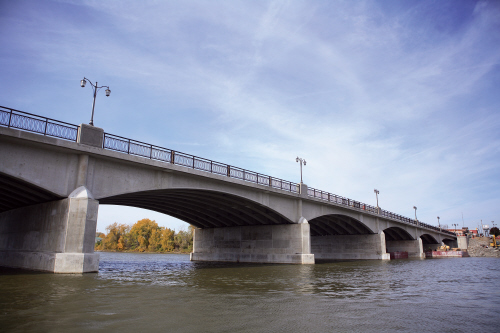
[17, 193]
[429, 239]
[337, 224]
[201, 208]
[397, 234]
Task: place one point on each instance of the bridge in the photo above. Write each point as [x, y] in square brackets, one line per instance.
[54, 175]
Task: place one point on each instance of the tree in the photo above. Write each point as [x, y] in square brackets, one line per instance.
[140, 234]
[184, 240]
[167, 240]
[116, 239]
[145, 235]
[494, 231]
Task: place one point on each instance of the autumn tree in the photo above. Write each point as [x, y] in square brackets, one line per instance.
[184, 240]
[117, 237]
[140, 234]
[145, 235]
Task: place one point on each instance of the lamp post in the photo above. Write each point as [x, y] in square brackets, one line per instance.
[455, 224]
[376, 195]
[96, 89]
[414, 207]
[439, 225]
[302, 161]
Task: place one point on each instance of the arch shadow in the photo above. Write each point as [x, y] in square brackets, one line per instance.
[201, 208]
[337, 224]
[428, 239]
[17, 193]
[397, 234]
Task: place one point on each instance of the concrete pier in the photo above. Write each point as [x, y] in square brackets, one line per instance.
[286, 244]
[414, 248]
[349, 247]
[56, 237]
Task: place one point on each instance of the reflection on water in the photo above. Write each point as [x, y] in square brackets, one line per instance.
[154, 292]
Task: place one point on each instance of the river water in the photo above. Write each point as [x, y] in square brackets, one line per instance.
[168, 293]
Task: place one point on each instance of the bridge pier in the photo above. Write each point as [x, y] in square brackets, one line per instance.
[414, 248]
[349, 247]
[57, 236]
[285, 244]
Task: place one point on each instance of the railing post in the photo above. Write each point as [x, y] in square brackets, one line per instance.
[270, 181]
[211, 168]
[229, 171]
[172, 157]
[128, 150]
[103, 139]
[45, 132]
[151, 152]
[10, 118]
[244, 176]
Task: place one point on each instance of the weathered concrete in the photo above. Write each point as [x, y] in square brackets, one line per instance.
[287, 244]
[349, 247]
[56, 237]
[413, 247]
[463, 242]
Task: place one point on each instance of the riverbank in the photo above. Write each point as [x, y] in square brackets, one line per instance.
[480, 247]
[148, 252]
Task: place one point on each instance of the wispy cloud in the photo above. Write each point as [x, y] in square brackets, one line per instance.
[403, 98]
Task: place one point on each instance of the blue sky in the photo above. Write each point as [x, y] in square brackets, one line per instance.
[402, 96]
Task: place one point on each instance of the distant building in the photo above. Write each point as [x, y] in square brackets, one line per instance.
[464, 232]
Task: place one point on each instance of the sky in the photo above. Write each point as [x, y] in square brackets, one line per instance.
[399, 96]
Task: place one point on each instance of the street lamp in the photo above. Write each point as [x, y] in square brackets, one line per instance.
[439, 225]
[376, 195]
[302, 161]
[414, 207]
[96, 89]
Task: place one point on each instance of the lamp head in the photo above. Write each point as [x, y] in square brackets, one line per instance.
[304, 162]
[83, 83]
[108, 92]
[297, 159]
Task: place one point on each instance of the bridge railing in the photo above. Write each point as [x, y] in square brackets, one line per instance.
[32, 123]
[138, 148]
[25, 121]
[330, 197]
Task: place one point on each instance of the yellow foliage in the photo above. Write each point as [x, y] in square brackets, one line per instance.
[145, 235]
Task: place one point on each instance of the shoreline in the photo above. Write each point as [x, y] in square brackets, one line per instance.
[145, 252]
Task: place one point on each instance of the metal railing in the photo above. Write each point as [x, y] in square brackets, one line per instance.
[25, 121]
[32, 123]
[318, 194]
[138, 148]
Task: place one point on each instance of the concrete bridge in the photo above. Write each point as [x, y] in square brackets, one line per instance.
[54, 175]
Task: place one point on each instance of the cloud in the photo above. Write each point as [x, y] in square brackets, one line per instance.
[402, 99]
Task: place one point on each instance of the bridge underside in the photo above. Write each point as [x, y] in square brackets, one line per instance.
[397, 234]
[337, 225]
[201, 208]
[15, 193]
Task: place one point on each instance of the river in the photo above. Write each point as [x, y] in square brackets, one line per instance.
[167, 293]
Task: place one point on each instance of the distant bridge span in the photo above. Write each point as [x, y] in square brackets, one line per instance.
[51, 186]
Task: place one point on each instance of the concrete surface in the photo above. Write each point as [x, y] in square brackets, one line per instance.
[287, 244]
